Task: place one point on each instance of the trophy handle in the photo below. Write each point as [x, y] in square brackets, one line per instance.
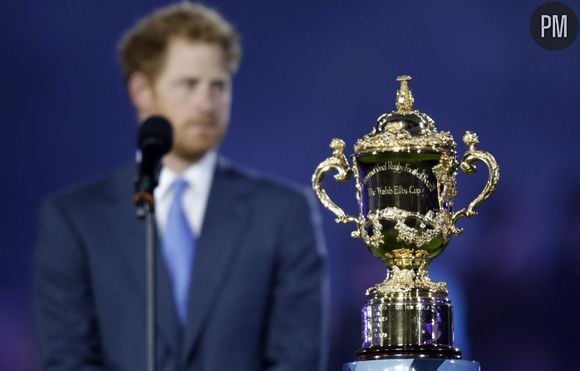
[471, 155]
[339, 163]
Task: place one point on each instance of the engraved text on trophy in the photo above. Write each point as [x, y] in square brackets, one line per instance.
[406, 186]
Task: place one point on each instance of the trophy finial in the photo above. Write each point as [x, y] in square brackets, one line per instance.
[405, 100]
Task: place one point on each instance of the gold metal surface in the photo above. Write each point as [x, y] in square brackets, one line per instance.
[404, 246]
[394, 136]
[472, 155]
[400, 140]
[405, 99]
[339, 163]
[400, 282]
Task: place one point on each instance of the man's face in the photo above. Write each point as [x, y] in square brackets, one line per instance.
[193, 91]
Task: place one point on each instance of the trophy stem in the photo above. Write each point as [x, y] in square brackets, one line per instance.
[407, 270]
[408, 258]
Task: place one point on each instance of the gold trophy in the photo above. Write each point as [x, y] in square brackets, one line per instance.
[404, 172]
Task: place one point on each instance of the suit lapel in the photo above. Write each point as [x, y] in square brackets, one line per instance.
[130, 233]
[224, 223]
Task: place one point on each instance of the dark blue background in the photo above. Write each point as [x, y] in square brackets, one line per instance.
[313, 70]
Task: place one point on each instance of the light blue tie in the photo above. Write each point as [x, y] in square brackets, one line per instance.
[179, 248]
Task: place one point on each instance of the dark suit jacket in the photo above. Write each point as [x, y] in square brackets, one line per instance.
[257, 288]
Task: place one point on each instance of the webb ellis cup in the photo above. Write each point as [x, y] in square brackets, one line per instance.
[404, 172]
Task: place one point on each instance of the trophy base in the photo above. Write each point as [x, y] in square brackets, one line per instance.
[412, 364]
[413, 351]
[412, 324]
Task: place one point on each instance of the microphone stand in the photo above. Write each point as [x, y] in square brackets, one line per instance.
[146, 210]
[155, 139]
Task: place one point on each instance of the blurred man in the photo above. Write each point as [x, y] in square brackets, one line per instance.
[240, 282]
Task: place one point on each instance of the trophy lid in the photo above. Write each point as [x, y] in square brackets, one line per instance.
[405, 129]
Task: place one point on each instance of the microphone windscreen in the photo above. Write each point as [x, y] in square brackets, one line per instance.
[157, 131]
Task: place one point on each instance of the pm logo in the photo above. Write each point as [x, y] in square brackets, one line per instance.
[557, 23]
[554, 26]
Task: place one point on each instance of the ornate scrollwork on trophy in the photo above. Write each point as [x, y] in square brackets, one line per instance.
[397, 138]
[339, 163]
[404, 172]
[472, 155]
[405, 281]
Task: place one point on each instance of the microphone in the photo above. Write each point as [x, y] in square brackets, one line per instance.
[154, 140]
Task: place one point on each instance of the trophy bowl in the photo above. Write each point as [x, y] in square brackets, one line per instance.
[405, 179]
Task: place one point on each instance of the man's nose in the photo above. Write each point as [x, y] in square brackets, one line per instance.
[203, 99]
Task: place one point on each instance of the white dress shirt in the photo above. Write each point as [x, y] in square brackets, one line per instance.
[199, 176]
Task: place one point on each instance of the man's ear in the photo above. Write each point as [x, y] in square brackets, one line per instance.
[141, 93]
